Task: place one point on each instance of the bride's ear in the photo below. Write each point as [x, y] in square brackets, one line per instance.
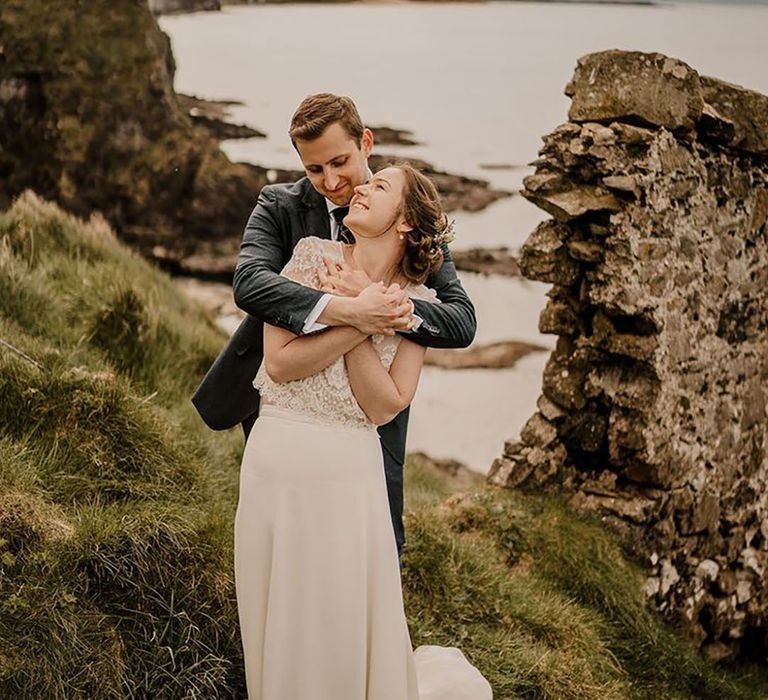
[403, 226]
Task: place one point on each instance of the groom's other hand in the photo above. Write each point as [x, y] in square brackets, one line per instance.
[377, 310]
[339, 278]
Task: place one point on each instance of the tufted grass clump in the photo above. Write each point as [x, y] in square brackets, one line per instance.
[74, 284]
[545, 602]
[116, 506]
[93, 438]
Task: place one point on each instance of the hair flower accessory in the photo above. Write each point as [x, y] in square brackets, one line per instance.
[447, 232]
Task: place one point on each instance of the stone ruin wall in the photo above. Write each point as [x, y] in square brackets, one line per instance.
[653, 407]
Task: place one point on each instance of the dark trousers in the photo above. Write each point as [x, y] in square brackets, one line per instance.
[393, 471]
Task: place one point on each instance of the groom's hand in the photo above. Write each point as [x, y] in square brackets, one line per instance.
[339, 278]
[388, 309]
[377, 310]
[404, 321]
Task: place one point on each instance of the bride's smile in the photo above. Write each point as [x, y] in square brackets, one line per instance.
[375, 208]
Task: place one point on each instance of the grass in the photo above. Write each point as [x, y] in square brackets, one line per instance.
[529, 640]
[544, 601]
[117, 508]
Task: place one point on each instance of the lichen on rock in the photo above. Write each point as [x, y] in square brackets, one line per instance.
[656, 391]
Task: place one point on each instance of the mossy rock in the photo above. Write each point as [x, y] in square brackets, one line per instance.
[90, 120]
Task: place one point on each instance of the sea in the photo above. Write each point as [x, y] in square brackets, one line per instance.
[478, 84]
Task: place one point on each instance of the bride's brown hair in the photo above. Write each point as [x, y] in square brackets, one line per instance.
[423, 211]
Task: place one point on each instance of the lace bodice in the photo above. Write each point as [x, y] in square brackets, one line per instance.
[327, 395]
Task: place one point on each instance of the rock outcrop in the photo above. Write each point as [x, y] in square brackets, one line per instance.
[214, 115]
[653, 411]
[487, 261]
[89, 119]
[499, 355]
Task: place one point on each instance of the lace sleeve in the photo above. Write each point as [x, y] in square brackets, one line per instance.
[306, 258]
[421, 291]
[387, 345]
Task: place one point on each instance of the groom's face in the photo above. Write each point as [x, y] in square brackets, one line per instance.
[335, 163]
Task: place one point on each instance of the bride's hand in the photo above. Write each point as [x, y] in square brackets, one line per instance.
[340, 279]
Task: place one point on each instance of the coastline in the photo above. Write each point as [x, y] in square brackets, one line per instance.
[179, 7]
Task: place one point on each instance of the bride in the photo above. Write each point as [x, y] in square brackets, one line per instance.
[316, 565]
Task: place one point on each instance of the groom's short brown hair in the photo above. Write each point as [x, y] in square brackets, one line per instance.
[317, 112]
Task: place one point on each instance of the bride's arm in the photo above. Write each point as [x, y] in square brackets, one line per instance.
[288, 356]
[383, 394]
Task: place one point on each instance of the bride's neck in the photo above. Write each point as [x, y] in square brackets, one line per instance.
[378, 259]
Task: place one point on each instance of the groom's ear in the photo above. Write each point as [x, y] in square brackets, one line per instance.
[366, 143]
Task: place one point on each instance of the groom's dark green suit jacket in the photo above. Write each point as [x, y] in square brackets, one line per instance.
[283, 215]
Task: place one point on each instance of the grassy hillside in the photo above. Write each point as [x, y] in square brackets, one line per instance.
[117, 507]
[545, 602]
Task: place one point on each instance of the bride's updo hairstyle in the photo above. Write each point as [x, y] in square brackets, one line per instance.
[423, 211]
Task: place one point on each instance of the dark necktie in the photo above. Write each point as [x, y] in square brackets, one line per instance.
[343, 234]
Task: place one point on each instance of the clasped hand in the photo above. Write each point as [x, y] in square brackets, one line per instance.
[378, 308]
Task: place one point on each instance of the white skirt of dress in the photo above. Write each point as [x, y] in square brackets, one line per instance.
[316, 572]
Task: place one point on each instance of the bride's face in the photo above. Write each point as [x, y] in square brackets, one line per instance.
[375, 208]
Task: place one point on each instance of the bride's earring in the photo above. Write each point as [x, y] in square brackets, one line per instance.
[401, 236]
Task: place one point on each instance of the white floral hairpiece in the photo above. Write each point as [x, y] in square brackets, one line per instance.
[447, 234]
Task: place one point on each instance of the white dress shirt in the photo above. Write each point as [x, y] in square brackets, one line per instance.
[311, 324]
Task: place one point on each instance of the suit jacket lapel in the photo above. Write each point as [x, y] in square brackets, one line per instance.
[316, 219]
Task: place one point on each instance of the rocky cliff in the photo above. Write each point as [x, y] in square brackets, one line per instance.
[89, 118]
[653, 411]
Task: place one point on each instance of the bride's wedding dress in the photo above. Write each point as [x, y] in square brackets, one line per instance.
[316, 569]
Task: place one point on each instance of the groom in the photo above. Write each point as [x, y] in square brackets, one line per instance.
[333, 145]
